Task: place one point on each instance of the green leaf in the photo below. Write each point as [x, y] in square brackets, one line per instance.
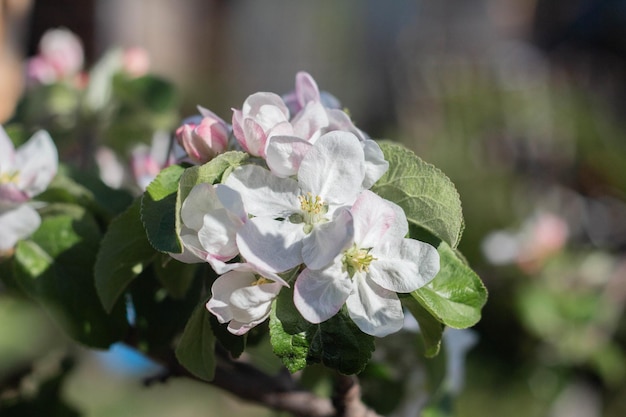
[431, 329]
[214, 171]
[196, 349]
[337, 343]
[427, 196]
[124, 253]
[176, 277]
[456, 295]
[158, 210]
[235, 345]
[160, 318]
[55, 267]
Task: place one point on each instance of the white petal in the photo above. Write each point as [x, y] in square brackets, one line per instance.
[222, 288]
[319, 294]
[201, 199]
[272, 245]
[37, 161]
[217, 235]
[306, 88]
[334, 168]
[17, 223]
[285, 153]
[254, 137]
[252, 303]
[263, 193]
[375, 163]
[404, 265]
[373, 218]
[192, 248]
[327, 240]
[310, 120]
[375, 310]
[231, 200]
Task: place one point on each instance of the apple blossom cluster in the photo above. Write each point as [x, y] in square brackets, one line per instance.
[301, 215]
[24, 173]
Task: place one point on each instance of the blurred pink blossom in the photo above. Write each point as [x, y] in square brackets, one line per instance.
[135, 61]
[60, 57]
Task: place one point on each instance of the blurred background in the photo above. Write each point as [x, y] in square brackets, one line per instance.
[520, 102]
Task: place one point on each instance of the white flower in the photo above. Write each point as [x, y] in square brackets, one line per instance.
[262, 115]
[24, 173]
[379, 263]
[16, 224]
[243, 297]
[304, 219]
[211, 216]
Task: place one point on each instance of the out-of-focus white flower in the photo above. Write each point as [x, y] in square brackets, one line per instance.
[24, 173]
[541, 235]
[147, 161]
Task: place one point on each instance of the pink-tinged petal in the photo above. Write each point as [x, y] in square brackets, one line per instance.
[264, 194]
[201, 199]
[375, 310]
[334, 168]
[285, 153]
[37, 161]
[11, 195]
[7, 153]
[231, 200]
[238, 298]
[375, 163]
[339, 120]
[222, 288]
[237, 123]
[319, 294]
[16, 224]
[193, 252]
[306, 89]
[217, 235]
[404, 265]
[254, 138]
[373, 217]
[327, 240]
[268, 109]
[271, 244]
[309, 122]
[252, 303]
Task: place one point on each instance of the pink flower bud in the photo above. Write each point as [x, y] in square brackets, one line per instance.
[204, 138]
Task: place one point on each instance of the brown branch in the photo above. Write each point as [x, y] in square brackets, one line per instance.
[347, 398]
[279, 392]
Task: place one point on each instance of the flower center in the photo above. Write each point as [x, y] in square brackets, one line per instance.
[314, 210]
[9, 177]
[357, 259]
[261, 280]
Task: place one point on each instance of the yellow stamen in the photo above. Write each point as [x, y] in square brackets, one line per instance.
[357, 260]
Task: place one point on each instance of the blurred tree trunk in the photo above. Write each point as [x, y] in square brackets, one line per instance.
[12, 16]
